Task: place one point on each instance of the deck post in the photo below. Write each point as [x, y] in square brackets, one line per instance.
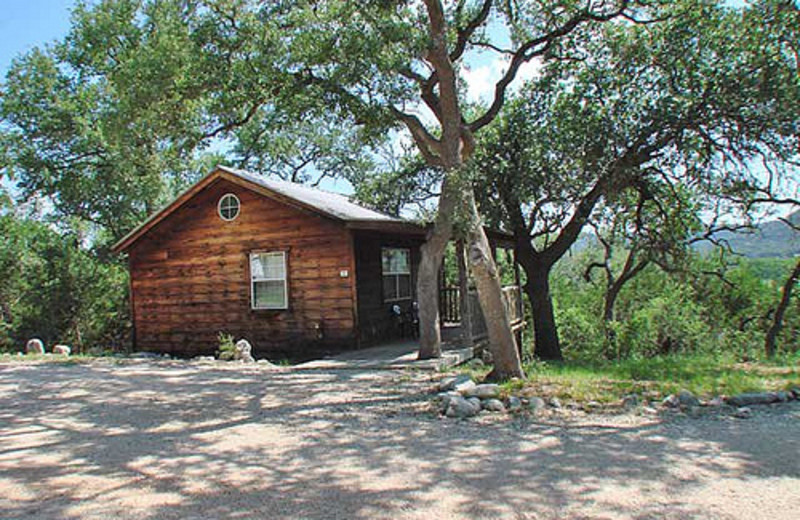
[520, 296]
[465, 308]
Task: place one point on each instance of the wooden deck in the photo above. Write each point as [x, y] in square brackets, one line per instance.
[393, 356]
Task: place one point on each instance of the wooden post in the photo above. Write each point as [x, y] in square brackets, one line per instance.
[520, 302]
[518, 282]
[463, 295]
[441, 282]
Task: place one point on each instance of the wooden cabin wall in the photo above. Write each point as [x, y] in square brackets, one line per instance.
[190, 279]
[376, 322]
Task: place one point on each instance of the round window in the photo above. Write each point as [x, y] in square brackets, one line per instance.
[228, 207]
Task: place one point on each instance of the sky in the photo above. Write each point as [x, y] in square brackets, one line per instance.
[25, 24]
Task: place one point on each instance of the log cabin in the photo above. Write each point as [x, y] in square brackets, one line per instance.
[295, 270]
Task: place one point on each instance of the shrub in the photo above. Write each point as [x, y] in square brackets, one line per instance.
[227, 347]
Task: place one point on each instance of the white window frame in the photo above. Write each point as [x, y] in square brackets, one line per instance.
[396, 275]
[238, 207]
[254, 280]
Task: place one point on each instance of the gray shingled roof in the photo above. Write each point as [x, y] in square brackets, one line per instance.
[333, 204]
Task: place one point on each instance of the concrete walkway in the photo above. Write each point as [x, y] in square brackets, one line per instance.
[398, 355]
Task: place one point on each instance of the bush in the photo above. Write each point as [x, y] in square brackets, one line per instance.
[54, 288]
[227, 347]
[660, 313]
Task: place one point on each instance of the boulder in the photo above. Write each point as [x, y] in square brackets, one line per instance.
[671, 401]
[687, 399]
[444, 400]
[475, 402]
[592, 406]
[536, 404]
[743, 413]
[752, 398]
[485, 391]
[514, 404]
[62, 350]
[242, 351]
[459, 383]
[493, 405]
[461, 408]
[34, 346]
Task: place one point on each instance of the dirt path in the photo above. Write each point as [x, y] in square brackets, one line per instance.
[146, 440]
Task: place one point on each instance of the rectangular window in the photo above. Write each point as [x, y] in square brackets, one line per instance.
[268, 288]
[396, 268]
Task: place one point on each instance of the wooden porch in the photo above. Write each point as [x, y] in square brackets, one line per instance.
[460, 315]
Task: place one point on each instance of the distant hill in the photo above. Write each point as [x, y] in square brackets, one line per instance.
[771, 239]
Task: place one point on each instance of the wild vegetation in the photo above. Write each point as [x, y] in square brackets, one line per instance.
[648, 128]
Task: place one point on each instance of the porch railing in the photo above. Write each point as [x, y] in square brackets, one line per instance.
[450, 308]
[449, 305]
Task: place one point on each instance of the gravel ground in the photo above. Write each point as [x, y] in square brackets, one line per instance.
[146, 440]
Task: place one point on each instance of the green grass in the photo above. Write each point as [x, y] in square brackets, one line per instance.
[651, 378]
[51, 358]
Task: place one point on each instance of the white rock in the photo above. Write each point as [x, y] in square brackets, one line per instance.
[34, 346]
[687, 399]
[475, 402]
[62, 350]
[493, 405]
[459, 407]
[444, 400]
[743, 413]
[535, 404]
[485, 391]
[457, 383]
[242, 351]
[671, 401]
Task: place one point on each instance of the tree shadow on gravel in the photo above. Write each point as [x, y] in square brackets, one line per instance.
[177, 441]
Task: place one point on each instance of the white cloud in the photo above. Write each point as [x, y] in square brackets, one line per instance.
[481, 80]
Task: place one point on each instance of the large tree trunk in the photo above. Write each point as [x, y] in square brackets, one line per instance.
[537, 288]
[612, 292]
[430, 334]
[502, 344]
[546, 343]
[449, 151]
[777, 322]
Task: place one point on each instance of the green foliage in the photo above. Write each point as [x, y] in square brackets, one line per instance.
[709, 309]
[52, 288]
[227, 347]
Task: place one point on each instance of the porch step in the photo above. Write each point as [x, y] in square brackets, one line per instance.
[396, 356]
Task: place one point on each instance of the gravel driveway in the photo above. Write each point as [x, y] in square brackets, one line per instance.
[146, 440]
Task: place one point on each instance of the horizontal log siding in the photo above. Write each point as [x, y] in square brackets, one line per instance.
[376, 322]
[190, 279]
